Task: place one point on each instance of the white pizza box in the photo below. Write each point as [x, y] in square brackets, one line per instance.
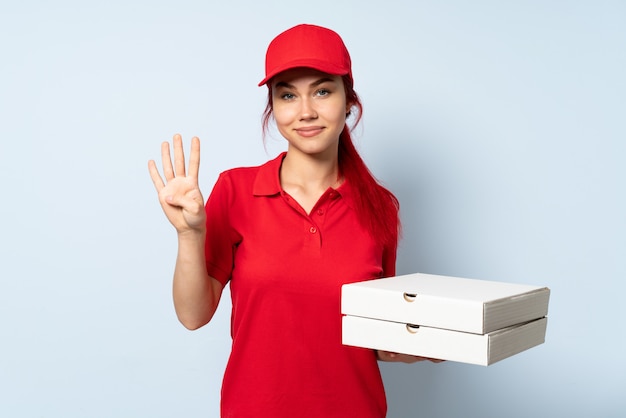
[480, 349]
[451, 303]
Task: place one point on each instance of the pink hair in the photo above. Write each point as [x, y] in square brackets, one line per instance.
[376, 207]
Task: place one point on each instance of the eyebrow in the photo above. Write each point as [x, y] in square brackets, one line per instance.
[313, 84]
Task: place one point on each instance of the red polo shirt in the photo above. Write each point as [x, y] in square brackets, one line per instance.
[286, 268]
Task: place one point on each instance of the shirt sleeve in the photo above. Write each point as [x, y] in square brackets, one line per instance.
[221, 238]
[389, 260]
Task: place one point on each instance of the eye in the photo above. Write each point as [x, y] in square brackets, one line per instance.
[322, 92]
[287, 96]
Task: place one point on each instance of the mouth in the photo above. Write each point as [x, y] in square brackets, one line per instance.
[309, 131]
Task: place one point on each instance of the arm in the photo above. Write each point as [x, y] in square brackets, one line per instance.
[196, 294]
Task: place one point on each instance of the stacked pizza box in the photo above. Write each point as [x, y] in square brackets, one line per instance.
[448, 318]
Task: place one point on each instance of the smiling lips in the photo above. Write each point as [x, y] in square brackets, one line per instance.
[309, 131]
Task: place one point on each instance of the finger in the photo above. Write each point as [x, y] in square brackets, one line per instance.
[194, 158]
[188, 202]
[166, 161]
[179, 156]
[155, 176]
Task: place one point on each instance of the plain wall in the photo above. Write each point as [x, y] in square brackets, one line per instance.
[499, 125]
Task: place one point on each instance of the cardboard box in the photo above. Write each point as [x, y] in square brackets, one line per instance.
[464, 347]
[449, 318]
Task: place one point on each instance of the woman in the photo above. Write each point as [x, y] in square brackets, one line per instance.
[287, 235]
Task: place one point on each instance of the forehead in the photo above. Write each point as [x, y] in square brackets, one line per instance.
[303, 75]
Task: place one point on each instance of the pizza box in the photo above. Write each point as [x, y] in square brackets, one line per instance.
[453, 303]
[464, 347]
[448, 318]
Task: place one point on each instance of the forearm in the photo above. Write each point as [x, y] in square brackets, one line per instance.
[196, 294]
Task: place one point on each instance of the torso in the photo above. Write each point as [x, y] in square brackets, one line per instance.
[290, 261]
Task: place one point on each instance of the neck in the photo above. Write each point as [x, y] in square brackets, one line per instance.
[309, 172]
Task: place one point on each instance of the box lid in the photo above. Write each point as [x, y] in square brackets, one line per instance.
[454, 303]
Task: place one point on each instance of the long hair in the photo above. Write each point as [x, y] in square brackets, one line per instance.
[377, 209]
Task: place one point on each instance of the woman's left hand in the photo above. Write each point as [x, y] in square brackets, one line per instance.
[403, 358]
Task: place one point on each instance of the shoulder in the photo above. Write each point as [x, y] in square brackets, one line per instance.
[240, 173]
[251, 171]
[264, 176]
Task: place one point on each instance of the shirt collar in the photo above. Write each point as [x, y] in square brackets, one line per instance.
[267, 181]
[345, 190]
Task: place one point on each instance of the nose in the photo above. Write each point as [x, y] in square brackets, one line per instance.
[307, 110]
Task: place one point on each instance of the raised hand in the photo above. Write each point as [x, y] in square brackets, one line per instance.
[179, 194]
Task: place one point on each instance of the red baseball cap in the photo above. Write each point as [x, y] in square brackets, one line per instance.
[307, 46]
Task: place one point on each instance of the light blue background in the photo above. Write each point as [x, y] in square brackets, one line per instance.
[499, 125]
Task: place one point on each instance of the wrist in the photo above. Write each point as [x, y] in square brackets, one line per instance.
[192, 235]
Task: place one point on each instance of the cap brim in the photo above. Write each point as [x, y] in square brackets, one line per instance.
[318, 65]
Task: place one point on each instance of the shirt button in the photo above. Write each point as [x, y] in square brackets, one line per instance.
[320, 212]
[313, 230]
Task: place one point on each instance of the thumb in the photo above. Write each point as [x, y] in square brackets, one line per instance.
[190, 202]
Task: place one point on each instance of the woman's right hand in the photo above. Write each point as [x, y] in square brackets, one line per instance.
[179, 194]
